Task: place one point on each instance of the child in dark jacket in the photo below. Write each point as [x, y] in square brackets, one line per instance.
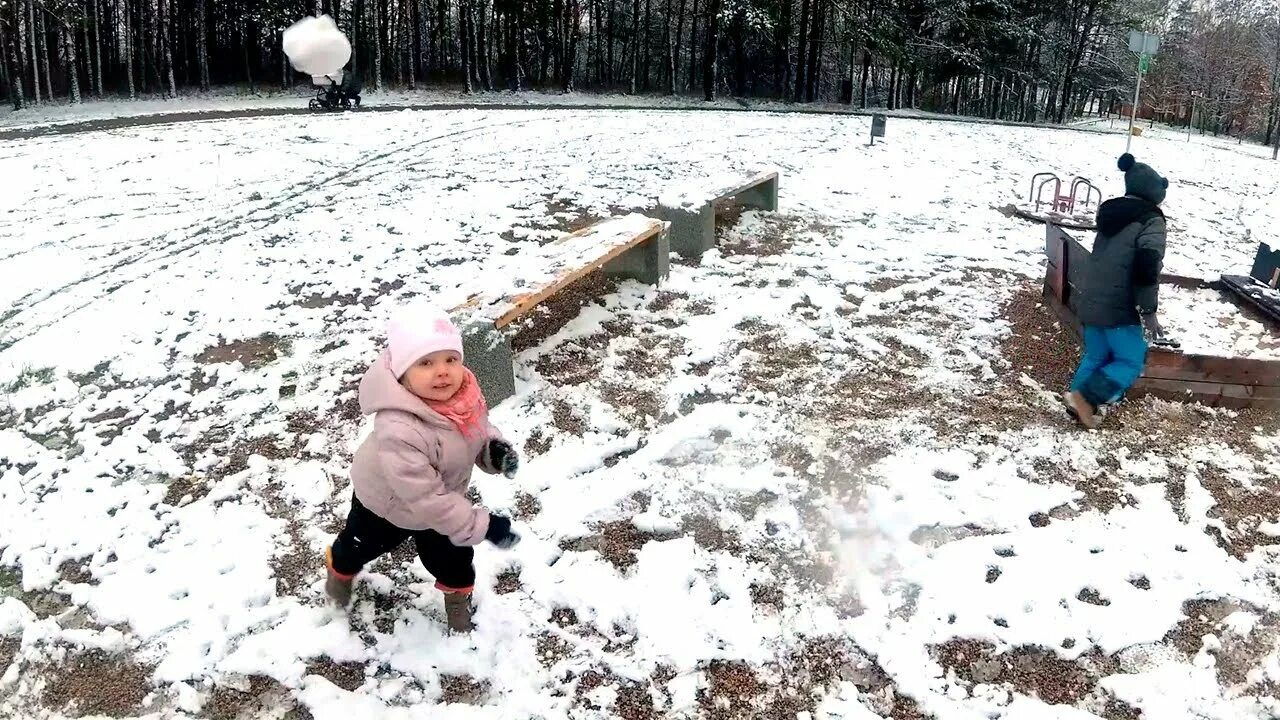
[1119, 296]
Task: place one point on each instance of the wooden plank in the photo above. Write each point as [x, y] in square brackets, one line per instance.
[1169, 365]
[571, 257]
[1189, 283]
[1055, 249]
[1213, 394]
[751, 182]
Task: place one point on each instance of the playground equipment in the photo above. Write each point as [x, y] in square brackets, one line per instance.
[1073, 209]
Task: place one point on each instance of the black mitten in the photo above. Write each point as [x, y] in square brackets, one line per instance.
[503, 458]
[499, 532]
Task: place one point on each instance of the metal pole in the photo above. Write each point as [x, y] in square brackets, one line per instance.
[1191, 120]
[1133, 115]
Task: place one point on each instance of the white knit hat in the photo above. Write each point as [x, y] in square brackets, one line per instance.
[417, 331]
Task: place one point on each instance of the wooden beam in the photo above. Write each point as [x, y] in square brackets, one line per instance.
[1225, 395]
[576, 255]
[1166, 365]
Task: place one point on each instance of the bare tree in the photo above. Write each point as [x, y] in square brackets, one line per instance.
[12, 65]
[69, 53]
[202, 45]
[709, 68]
[35, 54]
[97, 46]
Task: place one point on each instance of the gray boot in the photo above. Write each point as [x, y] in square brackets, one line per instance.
[457, 610]
[337, 586]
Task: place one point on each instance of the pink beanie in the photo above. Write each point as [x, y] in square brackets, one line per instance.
[418, 331]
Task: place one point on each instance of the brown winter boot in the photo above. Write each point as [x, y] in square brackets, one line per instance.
[1081, 410]
[457, 610]
[337, 586]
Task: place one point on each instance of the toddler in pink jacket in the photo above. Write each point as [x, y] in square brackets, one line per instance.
[410, 475]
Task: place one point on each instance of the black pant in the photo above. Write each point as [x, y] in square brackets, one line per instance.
[368, 536]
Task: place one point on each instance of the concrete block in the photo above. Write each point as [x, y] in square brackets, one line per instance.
[649, 262]
[488, 355]
[693, 229]
[762, 197]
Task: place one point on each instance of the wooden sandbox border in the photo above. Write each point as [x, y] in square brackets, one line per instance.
[1228, 382]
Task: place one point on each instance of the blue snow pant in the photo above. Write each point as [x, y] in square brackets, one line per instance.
[1113, 360]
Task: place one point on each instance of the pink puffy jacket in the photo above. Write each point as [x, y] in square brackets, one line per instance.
[414, 469]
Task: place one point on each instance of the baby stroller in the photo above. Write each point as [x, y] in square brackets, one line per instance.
[340, 91]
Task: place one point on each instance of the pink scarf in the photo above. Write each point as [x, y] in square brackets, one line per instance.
[466, 409]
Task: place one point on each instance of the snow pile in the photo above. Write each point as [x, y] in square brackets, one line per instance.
[1210, 322]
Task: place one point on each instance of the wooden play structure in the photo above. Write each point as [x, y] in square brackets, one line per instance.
[1230, 382]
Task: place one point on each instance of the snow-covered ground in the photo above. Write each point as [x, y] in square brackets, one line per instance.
[822, 471]
[1209, 322]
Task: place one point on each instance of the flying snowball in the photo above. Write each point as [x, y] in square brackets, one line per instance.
[317, 47]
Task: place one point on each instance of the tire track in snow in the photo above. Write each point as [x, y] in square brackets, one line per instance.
[195, 235]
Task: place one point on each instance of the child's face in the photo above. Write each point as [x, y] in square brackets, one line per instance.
[436, 377]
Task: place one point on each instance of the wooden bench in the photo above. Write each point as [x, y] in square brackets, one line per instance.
[693, 215]
[633, 247]
[1216, 381]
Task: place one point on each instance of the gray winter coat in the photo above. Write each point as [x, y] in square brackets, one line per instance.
[1123, 277]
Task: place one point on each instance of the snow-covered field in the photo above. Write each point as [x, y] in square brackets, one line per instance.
[821, 472]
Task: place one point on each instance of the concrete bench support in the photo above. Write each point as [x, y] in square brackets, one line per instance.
[693, 220]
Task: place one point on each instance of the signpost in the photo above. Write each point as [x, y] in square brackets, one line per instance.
[877, 127]
[1144, 45]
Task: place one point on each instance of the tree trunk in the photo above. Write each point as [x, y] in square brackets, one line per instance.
[612, 36]
[18, 64]
[244, 52]
[648, 43]
[677, 47]
[802, 78]
[411, 29]
[668, 61]
[892, 89]
[782, 51]
[377, 46]
[571, 54]
[12, 67]
[815, 52]
[711, 53]
[88, 54]
[737, 32]
[464, 17]
[128, 50]
[202, 45]
[693, 46]
[35, 53]
[69, 50]
[866, 75]
[97, 45]
[635, 42]
[166, 41]
[482, 47]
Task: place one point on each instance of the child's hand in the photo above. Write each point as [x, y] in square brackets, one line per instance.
[504, 458]
[499, 532]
